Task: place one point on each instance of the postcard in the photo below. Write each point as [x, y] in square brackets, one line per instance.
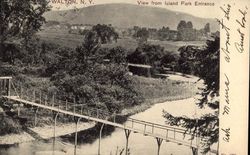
[124, 77]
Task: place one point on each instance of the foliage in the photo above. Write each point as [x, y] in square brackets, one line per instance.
[8, 70]
[170, 60]
[187, 58]
[166, 34]
[187, 32]
[19, 19]
[147, 54]
[206, 62]
[8, 125]
[93, 81]
[142, 34]
[207, 28]
[89, 46]
[105, 33]
[117, 55]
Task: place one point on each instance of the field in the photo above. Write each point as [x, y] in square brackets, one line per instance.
[63, 38]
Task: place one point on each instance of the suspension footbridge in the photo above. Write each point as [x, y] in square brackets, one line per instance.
[42, 101]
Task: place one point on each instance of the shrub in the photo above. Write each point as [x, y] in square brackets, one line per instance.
[8, 125]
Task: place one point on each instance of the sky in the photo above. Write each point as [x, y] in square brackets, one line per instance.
[199, 11]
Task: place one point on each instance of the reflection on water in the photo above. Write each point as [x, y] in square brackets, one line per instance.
[115, 142]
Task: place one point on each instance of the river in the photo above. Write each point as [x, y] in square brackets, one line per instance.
[115, 142]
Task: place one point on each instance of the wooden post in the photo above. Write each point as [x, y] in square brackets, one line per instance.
[194, 151]
[9, 86]
[97, 113]
[76, 122]
[55, 115]
[34, 96]
[127, 134]
[40, 97]
[21, 92]
[18, 110]
[4, 87]
[36, 111]
[1, 87]
[174, 133]
[100, 137]
[159, 142]
[45, 100]
[53, 100]
[145, 126]
[81, 109]
[167, 134]
[66, 105]
[114, 117]
[74, 106]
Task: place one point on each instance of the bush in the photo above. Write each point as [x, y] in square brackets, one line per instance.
[8, 125]
[9, 70]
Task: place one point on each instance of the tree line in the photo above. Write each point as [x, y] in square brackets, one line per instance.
[185, 32]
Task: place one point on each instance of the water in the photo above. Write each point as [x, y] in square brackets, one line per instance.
[115, 143]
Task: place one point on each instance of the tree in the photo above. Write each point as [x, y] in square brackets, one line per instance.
[185, 31]
[147, 54]
[187, 60]
[142, 34]
[181, 30]
[105, 33]
[170, 60]
[207, 126]
[99, 84]
[189, 25]
[19, 19]
[182, 25]
[117, 55]
[164, 33]
[89, 46]
[207, 28]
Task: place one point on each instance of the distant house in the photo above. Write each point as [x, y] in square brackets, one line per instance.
[80, 27]
[73, 27]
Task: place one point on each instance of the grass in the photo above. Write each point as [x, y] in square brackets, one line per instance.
[63, 38]
[131, 44]
[152, 88]
[160, 90]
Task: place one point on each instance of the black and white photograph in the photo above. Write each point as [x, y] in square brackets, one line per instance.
[116, 77]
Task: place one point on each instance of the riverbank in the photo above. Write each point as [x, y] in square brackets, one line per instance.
[149, 103]
[11, 139]
[176, 86]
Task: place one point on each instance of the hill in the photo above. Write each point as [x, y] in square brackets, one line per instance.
[128, 15]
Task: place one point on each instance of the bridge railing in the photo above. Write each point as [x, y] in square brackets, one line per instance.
[69, 104]
[170, 132]
[51, 99]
